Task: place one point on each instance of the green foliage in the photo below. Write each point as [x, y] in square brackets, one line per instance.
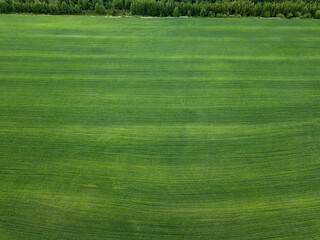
[4, 7]
[297, 14]
[170, 6]
[54, 9]
[266, 14]
[100, 9]
[86, 4]
[189, 14]
[289, 15]
[118, 4]
[305, 10]
[306, 16]
[280, 15]
[64, 8]
[18, 7]
[163, 8]
[219, 15]
[176, 12]
[211, 14]
[152, 8]
[40, 7]
[317, 14]
[144, 8]
[127, 4]
[77, 9]
[203, 12]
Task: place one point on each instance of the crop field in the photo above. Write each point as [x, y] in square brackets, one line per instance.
[166, 128]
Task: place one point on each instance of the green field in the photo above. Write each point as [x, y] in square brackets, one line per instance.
[133, 128]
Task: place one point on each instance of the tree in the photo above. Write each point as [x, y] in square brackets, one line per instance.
[64, 8]
[18, 7]
[37, 7]
[71, 9]
[137, 7]
[162, 9]
[257, 10]
[4, 7]
[170, 6]
[100, 9]
[118, 4]
[127, 4]
[54, 9]
[203, 12]
[152, 8]
[176, 12]
[85, 4]
[77, 9]
[305, 10]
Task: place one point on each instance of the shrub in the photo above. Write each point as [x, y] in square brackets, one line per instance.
[289, 15]
[211, 14]
[266, 14]
[280, 15]
[219, 15]
[317, 14]
[297, 14]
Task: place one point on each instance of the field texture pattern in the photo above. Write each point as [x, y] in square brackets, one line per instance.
[133, 128]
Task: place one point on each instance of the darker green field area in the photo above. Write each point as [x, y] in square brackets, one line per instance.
[133, 128]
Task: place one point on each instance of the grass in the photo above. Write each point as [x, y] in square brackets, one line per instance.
[131, 128]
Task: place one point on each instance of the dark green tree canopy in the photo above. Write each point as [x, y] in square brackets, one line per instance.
[164, 8]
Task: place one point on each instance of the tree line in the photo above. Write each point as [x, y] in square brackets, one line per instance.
[166, 8]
